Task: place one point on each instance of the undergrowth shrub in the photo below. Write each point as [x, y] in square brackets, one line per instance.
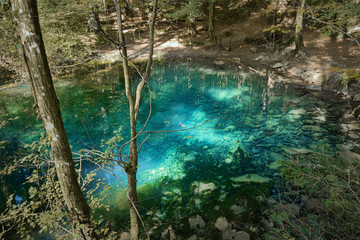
[331, 187]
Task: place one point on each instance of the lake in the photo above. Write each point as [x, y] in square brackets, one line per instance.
[231, 127]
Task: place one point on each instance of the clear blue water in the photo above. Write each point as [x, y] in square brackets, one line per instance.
[245, 122]
[235, 109]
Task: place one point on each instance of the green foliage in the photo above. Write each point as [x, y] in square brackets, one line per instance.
[43, 213]
[10, 57]
[343, 14]
[189, 11]
[64, 28]
[349, 75]
[334, 183]
[231, 12]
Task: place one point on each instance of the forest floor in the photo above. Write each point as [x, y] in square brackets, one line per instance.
[321, 54]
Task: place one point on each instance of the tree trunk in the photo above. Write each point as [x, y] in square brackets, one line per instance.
[299, 43]
[134, 107]
[212, 36]
[28, 28]
[131, 167]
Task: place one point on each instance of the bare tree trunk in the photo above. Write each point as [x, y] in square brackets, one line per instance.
[212, 36]
[28, 28]
[299, 43]
[131, 167]
[134, 107]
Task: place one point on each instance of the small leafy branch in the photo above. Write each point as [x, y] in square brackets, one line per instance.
[332, 185]
[44, 210]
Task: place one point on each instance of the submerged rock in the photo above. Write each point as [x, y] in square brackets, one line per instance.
[228, 160]
[250, 178]
[276, 156]
[292, 209]
[196, 222]
[231, 235]
[197, 203]
[168, 234]
[193, 237]
[295, 151]
[203, 188]
[348, 155]
[229, 128]
[275, 165]
[236, 209]
[222, 224]
[222, 197]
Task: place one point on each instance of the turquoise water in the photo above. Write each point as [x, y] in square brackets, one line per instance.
[238, 125]
[232, 109]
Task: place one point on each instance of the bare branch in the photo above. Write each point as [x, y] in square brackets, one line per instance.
[146, 76]
[333, 26]
[143, 142]
[146, 122]
[127, 194]
[177, 130]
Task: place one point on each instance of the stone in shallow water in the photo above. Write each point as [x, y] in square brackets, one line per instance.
[250, 178]
[229, 128]
[193, 237]
[275, 165]
[222, 197]
[196, 222]
[169, 233]
[353, 136]
[189, 157]
[197, 203]
[236, 209]
[292, 209]
[313, 128]
[203, 188]
[222, 224]
[353, 126]
[232, 235]
[349, 155]
[343, 147]
[276, 156]
[294, 151]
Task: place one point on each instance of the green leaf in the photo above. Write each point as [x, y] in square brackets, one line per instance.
[18, 46]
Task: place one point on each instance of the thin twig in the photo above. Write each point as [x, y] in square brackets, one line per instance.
[333, 26]
[178, 130]
[146, 122]
[127, 194]
[143, 142]
[87, 133]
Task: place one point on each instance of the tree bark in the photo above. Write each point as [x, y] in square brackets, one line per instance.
[131, 167]
[134, 107]
[28, 28]
[299, 42]
[212, 36]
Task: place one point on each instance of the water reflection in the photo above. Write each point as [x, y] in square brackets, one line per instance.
[235, 110]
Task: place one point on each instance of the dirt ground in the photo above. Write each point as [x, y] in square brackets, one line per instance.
[321, 53]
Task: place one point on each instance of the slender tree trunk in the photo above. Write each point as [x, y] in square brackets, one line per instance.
[28, 28]
[212, 36]
[299, 43]
[134, 107]
[131, 167]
